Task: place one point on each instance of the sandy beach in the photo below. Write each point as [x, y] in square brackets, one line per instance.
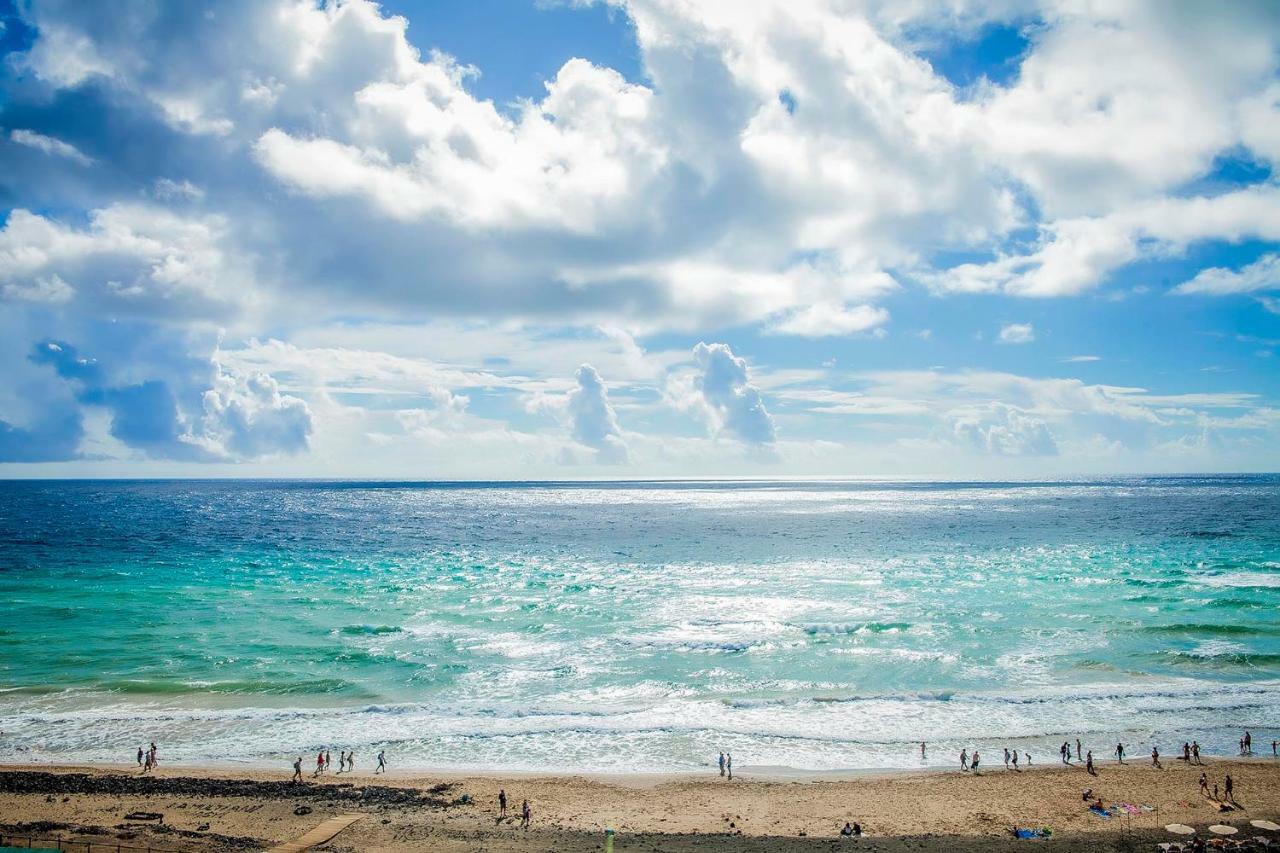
[230, 810]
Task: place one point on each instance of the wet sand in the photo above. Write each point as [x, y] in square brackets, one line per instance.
[935, 810]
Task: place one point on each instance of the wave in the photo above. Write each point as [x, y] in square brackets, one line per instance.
[855, 628]
[369, 630]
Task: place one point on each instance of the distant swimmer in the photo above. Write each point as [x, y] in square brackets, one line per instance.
[297, 770]
[382, 762]
[964, 759]
[1120, 753]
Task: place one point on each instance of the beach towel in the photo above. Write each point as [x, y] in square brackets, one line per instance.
[1103, 813]
[1029, 833]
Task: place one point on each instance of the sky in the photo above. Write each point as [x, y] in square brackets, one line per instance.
[562, 239]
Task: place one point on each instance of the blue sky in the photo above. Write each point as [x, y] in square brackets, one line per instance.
[638, 238]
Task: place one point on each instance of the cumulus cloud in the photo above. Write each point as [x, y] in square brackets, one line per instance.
[1004, 430]
[1017, 333]
[730, 403]
[246, 416]
[1262, 274]
[595, 424]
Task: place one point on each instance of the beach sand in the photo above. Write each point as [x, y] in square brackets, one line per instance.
[935, 810]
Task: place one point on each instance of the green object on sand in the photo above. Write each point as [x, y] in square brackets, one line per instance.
[608, 840]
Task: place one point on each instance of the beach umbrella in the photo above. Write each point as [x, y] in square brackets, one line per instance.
[1180, 829]
[1223, 829]
[1271, 826]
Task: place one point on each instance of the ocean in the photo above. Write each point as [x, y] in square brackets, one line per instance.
[636, 626]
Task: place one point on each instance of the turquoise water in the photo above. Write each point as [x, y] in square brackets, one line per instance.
[635, 626]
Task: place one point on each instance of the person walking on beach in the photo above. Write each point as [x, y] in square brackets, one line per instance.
[1195, 751]
[155, 755]
[297, 770]
[1015, 761]
[502, 802]
[328, 760]
[1204, 784]
[526, 815]
[1065, 752]
[1027, 756]
[964, 759]
[1120, 753]
[342, 761]
[351, 761]
[382, 762]
[1230, 788]
[722, 764]
[139, 756]
[1006, 758]
[1186, 752]
[319, 763]
[973, 764]
[728, 764]
[1155, 757]
[1088, 764]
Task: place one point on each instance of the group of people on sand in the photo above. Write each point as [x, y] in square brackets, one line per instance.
[526, 813]
[970, 763]
[346, 763]
[1228, 794]
[147, 759]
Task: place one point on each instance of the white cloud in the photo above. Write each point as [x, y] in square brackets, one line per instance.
[49, 289]
[1017, 333]
[727, 399]
[1262, 274]
[1081, 359]
[50, 145]
[595, 424]
[1004, 431]
[826, 320]
[246, 416]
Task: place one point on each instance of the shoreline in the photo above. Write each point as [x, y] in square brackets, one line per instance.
[410, 809]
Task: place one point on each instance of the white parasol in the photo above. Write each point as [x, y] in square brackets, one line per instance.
[1180, 829]
[1223, 829]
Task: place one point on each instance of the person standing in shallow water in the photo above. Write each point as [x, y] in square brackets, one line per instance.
[1120, 753]
[722, 764]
